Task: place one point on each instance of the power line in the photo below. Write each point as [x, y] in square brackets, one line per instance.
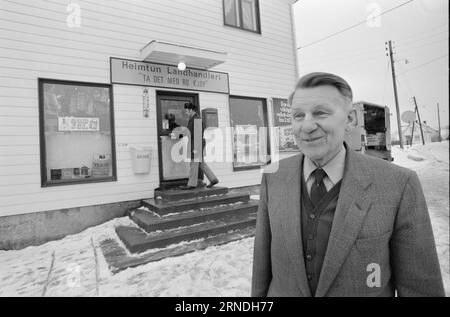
[424, 64]
[405, 40]
[427, 31]
[369, 53]
[353, 26]
[405, 81]
[424, 44]
[372, 48]
[350, 51]
[338, 56]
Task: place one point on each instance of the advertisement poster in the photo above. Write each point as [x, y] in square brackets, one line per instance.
[78, 124]
[282, 120]
[246, 145]
[101, 165]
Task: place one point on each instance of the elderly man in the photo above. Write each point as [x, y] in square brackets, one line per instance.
[332, 222]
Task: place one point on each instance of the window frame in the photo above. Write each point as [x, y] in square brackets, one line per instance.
[266, 118]
[42, 144]
[241, 19]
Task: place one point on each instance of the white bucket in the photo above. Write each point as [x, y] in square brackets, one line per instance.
[140, 159]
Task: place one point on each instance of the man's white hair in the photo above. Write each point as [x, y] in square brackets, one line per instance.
[317, 79]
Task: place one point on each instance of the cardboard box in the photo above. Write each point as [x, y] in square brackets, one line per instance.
[66, 173]
[55, 173]
[101, 165]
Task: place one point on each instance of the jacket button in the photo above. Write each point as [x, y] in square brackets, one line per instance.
[312, 216]
[309, 277]
[309, 257]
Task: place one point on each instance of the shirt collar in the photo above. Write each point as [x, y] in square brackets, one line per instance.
[334, 168]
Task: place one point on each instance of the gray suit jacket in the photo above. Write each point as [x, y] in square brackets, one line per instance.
[381, 224]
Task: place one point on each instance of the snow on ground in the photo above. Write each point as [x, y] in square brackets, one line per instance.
[431, 163]
[216, 271]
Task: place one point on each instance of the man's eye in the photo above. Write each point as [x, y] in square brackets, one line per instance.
[321, 113]
[299, 115]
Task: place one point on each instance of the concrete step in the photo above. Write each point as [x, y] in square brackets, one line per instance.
[163, 207]
[149, 221]
[118, 258]
[179, 194]
[137, 240]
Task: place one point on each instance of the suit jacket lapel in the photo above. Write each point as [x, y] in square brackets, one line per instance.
[291, 226]
[352, 206]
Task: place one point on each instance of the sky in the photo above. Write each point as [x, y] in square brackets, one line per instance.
[418, 31]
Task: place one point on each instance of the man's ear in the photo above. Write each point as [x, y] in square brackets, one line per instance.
[352, 118]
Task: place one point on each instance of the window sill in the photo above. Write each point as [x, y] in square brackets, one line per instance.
[62, 182]
[246, 168]
[242, 29]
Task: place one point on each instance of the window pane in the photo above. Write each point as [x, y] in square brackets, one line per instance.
[231, 12]
[249, 141]
[77, 132]
[173, 116]
[249, 14]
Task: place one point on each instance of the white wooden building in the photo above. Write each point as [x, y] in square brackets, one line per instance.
[56, 60]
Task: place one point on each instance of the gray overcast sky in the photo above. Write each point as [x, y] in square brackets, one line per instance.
[420, 33]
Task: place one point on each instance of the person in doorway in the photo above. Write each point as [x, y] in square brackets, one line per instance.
[333, 222]
[197, 147]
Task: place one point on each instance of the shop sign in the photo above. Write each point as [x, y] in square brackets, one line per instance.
[78, 124]
[130, 72]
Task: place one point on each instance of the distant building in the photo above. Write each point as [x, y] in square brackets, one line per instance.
[445, 133]
[429, 134]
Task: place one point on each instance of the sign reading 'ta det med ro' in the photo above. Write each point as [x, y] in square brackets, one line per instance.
[130, 72]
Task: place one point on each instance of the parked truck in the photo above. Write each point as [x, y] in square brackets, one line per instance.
[371, 134]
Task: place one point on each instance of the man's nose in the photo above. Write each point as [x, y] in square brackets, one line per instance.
[309, 124]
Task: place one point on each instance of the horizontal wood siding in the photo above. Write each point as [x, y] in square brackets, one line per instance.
[35, 41]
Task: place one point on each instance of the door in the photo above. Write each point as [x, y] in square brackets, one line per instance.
[171, 114]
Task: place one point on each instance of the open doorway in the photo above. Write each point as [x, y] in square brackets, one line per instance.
[171, 114]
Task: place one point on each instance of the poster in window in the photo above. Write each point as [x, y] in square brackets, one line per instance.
[249, 123]
[282, 121]
[76, 132]
[246, 145]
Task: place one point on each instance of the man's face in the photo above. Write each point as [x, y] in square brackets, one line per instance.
[190, 112]
[320, 116]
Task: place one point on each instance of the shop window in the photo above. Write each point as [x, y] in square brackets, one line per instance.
[248, 118]
[76, 132]
[243, 14]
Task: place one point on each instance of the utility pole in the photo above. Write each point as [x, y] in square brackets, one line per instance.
[439, 123]
[420, 122]
[395, 94]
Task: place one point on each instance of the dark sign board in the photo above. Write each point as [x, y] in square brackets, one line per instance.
[282, 120]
